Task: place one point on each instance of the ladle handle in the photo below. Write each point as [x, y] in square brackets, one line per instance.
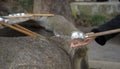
[104, 33]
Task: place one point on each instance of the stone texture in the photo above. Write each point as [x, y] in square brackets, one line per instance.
[94, 13]
[31, 53]
[93, 8]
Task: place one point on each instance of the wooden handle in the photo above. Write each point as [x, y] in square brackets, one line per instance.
[27, 30]
[105, 33]
[21, 29]
[42, 15]
[18, 26]
[29, 16]
[15, 28]
[25, 16]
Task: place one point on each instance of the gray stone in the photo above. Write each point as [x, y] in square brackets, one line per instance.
[30, 53]
[94, 8]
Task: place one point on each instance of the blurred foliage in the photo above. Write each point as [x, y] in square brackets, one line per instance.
[74, 12]
[93, 20]
[26, 4]
[21, 6]
[98, 19]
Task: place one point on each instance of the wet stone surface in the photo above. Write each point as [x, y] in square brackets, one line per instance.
[31, 52]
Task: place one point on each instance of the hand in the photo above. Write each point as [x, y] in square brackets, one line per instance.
[77, 43]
